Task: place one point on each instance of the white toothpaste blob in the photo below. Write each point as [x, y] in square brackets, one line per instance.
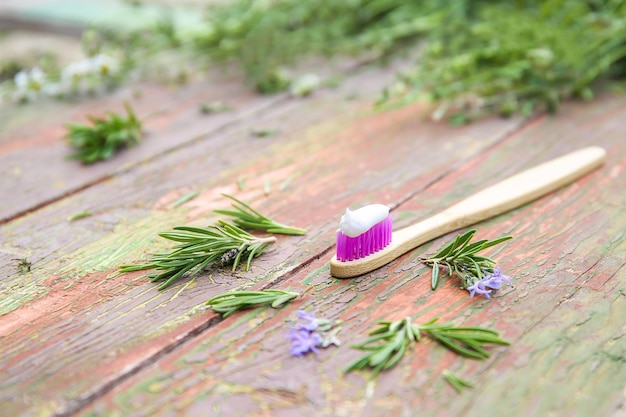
[355, 223]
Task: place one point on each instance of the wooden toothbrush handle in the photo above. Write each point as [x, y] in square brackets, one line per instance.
[508, 194]
[497, 199]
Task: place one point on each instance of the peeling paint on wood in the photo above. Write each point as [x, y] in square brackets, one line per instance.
[78, 338]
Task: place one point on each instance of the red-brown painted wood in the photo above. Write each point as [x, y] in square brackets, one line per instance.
[78, 338]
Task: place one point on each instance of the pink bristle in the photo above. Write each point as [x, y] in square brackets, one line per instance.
[375, 239]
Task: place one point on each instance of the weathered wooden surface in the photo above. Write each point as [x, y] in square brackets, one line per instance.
[564, 316]
[77, 338]
[171, 119]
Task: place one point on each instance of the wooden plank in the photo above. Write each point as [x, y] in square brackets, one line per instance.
[171, 119]
[564, 315]
[74, 310]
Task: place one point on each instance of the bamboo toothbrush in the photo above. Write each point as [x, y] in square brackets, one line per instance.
[365, 241]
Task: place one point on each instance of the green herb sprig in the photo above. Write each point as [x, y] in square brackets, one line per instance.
[461, 257]
[199, 248]
[79, 215]
[23, 265]
[230, 302]
[386, 345]
[465, 341]
[390, 340]
[185, 198]
[459, 384]
[104, 137]
[246, 217]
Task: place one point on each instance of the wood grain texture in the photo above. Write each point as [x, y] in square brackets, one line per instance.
[33, 137]
[77, 338]
[73, 329]
[564, 315]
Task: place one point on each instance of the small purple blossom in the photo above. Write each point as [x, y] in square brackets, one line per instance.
[303, 341]
[309, 333]
[492, 281]
[307, 321]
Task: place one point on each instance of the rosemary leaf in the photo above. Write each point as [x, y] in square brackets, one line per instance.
[461, 257]
[246, 217]
[24, 265]
[286, 183]
[435, 275]
[387, 343]
[230, 302]
[385, 346]
[466, 341]
[185, 198]
[80, 215]
[199, 248]
[457, 383]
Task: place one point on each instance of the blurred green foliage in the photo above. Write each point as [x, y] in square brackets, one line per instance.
[512, 59]
[480, 56]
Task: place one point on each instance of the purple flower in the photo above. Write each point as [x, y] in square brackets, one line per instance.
[478, 288]
[303, 341]
[493, 282]
[307, 321]
[309, 333]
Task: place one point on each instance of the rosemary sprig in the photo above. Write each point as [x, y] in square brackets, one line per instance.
[246, 217]
[461, 257]
[465, 341]
[459, 384]
[104, 137]
[386, 345]
[185, 198]
[388, 342]
[230, 302]
[23, 265]
[199, 247]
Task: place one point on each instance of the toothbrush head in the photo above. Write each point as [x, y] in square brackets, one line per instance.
[363, 232]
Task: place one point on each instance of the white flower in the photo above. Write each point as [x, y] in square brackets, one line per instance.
[29, 85]
[21, 80]
[37, 76]
[75, 71]
[104, 65]
[77, 77]
[305, 85]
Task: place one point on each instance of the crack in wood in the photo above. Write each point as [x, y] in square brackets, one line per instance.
[84, 401]
[75, 405]
[257, 111]
[498, 357]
